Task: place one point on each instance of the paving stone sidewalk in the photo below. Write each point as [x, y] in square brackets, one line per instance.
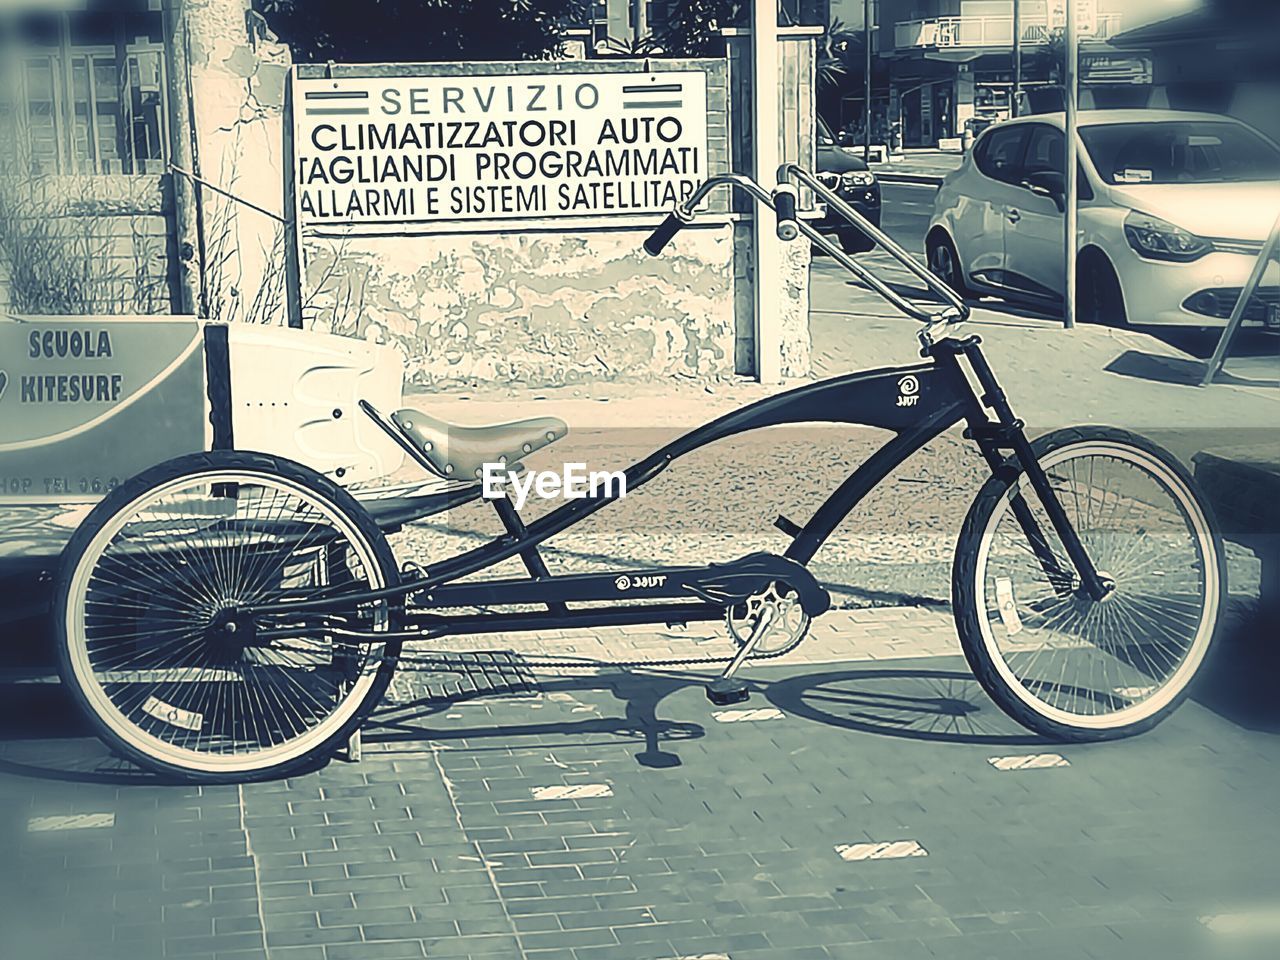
[879, 808]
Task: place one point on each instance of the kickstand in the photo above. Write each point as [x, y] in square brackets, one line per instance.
[354, 747]
[726, 688]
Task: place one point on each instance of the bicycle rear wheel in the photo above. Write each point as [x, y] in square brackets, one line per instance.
[153, 640]
[1058, 661]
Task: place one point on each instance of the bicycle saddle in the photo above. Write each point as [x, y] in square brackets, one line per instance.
[459, 452]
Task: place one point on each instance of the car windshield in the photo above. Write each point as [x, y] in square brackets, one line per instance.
[1180, 151]
[825, 137]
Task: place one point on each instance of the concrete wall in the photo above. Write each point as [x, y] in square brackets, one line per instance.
[539, 309]
[238, 79]
[796, 143]
[553, 303]
[547, 303]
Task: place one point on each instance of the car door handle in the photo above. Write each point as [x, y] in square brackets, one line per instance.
[1013, 216]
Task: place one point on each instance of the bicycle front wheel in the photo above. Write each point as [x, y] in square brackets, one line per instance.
[1055, 659]
[155, 641]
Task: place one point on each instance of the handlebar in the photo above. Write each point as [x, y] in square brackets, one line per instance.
[662, 236]
[783, 202]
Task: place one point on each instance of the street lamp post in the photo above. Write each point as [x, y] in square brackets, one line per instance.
[1016, 93]
[1069, 118]
[866, 111]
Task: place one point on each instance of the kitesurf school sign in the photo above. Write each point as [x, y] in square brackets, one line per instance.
[439, 149]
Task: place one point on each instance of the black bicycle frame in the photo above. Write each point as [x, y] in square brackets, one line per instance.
[917, 402]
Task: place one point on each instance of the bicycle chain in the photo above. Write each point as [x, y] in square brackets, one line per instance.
[412, 568]
[585, 664]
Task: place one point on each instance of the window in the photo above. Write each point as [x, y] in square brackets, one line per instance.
[1047, 153]
[1000, 152]
[83, 108]
[1180, 151]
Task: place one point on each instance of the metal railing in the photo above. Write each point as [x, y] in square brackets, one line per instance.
[992, 31]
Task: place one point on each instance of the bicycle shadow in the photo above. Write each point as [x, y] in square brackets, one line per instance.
[908, 701]
[574, 715]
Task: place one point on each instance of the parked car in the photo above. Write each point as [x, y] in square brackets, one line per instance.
[842, 170]
[1174, 208]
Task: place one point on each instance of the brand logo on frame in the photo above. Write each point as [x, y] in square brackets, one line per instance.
[908, 391]
[625, 582]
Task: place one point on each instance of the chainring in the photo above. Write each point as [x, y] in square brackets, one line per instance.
[789, 626]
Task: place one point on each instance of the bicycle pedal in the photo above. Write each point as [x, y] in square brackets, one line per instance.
[726, 691]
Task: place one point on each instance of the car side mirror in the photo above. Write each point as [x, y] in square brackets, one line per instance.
[1048, 183]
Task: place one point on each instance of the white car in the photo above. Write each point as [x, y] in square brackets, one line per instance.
[1174, 209]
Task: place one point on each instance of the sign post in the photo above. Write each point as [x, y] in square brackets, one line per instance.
[1084, 11]
[292, 238]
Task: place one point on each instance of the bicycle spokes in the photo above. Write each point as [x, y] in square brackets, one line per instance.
[1086, 658]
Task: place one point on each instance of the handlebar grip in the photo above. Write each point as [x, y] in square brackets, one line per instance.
[662, 236]
[784, 201]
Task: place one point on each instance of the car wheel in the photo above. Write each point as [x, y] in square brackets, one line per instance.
[853, 240]
[1099, 298]
[944, 262]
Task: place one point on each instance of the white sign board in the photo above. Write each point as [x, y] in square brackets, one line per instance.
[441, 150]
[1085, 11]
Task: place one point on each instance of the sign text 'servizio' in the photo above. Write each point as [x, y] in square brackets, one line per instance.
[440, 149]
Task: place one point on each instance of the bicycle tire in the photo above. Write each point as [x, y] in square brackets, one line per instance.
[161, 601]
[983, 615]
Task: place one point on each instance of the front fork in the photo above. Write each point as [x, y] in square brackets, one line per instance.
[1006, 433]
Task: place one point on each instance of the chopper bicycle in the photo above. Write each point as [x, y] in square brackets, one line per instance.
[232, 615]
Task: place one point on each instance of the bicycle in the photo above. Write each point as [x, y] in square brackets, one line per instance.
[232, 615]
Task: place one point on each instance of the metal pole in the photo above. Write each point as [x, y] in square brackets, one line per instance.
[1070, 219]
[1214, 365]
[67, 146]
[639, 23]
[765, 128]
[124, 96]
[292, 233]
[1017, 59]
[866, 89]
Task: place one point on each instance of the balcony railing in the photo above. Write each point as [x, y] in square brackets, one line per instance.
[989, 31]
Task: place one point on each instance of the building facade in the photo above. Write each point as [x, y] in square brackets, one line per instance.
[951, 61]
[1221, 58]
[109, 111]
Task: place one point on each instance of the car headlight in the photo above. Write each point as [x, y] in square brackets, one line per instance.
[1158, 239]
[857, 178]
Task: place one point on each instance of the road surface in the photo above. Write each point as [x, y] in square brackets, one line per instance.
[906, 211]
